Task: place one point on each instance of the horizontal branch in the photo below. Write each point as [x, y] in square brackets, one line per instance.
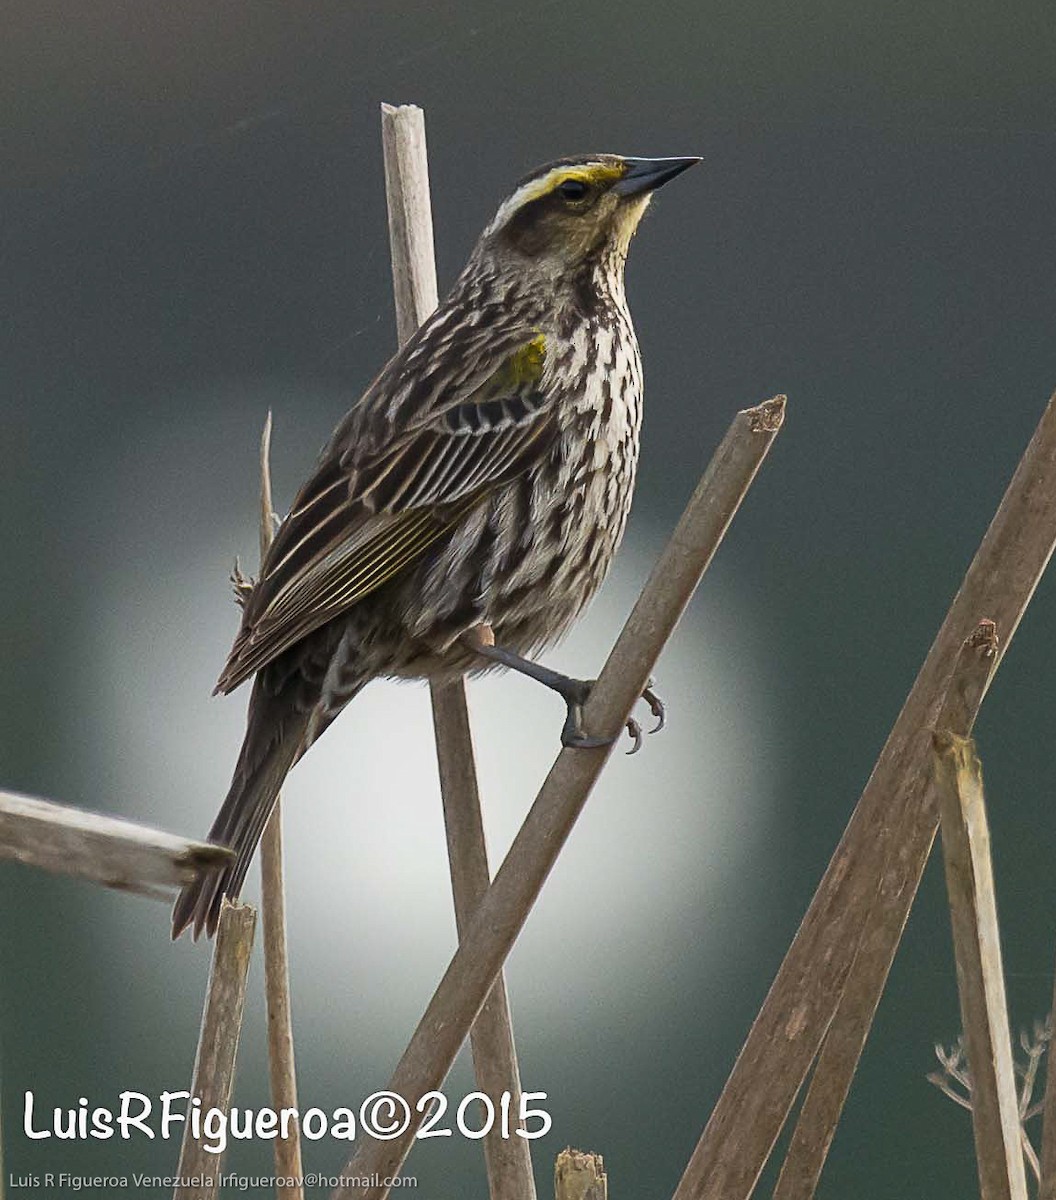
[108, 850]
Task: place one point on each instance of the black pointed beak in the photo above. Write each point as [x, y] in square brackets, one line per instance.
[647, 174]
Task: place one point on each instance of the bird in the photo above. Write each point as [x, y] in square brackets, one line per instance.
[467, 508]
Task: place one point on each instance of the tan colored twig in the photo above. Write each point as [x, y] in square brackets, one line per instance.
[579, 1175]
[885, 917]
[1047, 1184]
[1036, 1046]
[955, 1081]
[502, 913]
[958, 784]
[108, 850]
[954, 1071]
[810, 983]
[282, 1070]
[1030, 1154]
[508, 1159]
[214, 1064]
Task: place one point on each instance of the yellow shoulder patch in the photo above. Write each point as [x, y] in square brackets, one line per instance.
[526, 365]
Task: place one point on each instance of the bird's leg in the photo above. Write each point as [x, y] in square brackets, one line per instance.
[574, 692]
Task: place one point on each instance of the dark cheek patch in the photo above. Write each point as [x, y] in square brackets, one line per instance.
[538, 223]
[530, 228]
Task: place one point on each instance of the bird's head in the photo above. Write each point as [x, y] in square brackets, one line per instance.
[577, 210]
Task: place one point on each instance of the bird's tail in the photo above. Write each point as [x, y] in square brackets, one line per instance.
[274, 736]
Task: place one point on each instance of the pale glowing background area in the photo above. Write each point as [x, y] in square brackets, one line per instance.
[663, 842]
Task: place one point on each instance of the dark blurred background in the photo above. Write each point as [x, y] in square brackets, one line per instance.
[194, 231]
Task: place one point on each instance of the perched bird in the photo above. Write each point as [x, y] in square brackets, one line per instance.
[468, 507]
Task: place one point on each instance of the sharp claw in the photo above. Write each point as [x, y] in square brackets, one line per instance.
[575, 693]
[656, 707]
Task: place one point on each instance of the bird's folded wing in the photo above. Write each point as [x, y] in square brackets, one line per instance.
[365, 515]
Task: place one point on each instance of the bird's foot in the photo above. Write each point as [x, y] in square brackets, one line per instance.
[575, 692]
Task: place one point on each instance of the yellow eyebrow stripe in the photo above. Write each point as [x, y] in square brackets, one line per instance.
[594, 173]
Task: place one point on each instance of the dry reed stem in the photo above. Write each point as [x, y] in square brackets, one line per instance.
[214, 1064]
[108, 850]
[508, 1160]
[495, 1065]
[506, 905]
[579, 1175]
[811, 981]
[282, 1071]
[958, 786]
[884, 923]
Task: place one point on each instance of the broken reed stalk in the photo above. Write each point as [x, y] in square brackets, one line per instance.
[108, 850]
[282, 1071]
[868, 885]
[958, 786]
[508, 1160]
[579, 1175]
[214, 1064]
[501, 914]
[884, 923]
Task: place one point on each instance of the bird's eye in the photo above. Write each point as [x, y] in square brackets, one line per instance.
[573, 189]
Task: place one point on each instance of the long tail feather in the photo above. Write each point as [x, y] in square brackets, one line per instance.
[274, 736]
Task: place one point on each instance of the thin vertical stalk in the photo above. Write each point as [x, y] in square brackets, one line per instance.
[958, 782]
[508, 1159]
[282, 1071]
[214, 1064]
